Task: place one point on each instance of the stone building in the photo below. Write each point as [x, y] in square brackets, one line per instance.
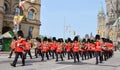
[30, 24]
[108, 23]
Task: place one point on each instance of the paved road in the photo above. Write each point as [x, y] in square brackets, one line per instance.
[36, 64]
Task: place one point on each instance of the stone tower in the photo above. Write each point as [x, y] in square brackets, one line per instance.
[101, 22]
[113, 10]
[30, 24]
[1, 14]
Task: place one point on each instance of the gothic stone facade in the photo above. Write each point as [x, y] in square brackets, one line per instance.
[106, 21]
[30, 24]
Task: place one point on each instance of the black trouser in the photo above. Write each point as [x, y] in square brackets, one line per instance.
[83, 55]
[49, 53]
[105, 55]
[36, 52]
[11, 52]
[98, 55]
[59, 53]
[53, 53]
[69, 55]
[29, 53]
[63, 52]
[76, 55]
[17, 54]
[43, 53]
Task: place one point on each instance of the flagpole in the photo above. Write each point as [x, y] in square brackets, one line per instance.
[64, 30]
[18, 18]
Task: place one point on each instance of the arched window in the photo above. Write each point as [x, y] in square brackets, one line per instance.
[5, 7]
[31, 14]
[30, 31]
[17, 10]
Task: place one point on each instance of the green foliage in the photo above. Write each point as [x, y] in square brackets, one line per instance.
[6, 44]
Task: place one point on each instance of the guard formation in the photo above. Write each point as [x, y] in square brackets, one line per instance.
[99, 48]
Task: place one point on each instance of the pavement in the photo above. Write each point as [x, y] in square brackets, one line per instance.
[36, 64]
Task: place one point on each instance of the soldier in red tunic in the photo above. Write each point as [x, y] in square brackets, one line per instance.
[68, 47]
[44, 47]
[59, 50]
[98, 49]
[83, 49]
[12, 47]
[75, 47]
[49, 46]
[28, 48]
[53, 47]
[19, 49]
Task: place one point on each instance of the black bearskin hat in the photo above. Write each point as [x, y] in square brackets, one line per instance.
[59, 40]
[75, 38]
[110, 41]
[66, 41]
[103, 39]
[54, 39]
[27, 38]
[107, 40]
[69, 39]
[84, 40]
[14, 38]
[97, 37]
[49, 40]
[38, 39]
[20, 33]
[91, 41]
[45, 39]
[88, 41]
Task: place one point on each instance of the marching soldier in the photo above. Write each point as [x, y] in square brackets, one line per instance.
[59, 50]
[98, 49]
[36, 46]
[53, 47]
[93, 48]
[83, 49]
[75, 49]
[69, 48]
[27, 48]
[44, 47]
[49, 46]
[88, 45]
[19, 49]
[12, 46]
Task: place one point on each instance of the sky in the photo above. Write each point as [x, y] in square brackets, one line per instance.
[63, 18]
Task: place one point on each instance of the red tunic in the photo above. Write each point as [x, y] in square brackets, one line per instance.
[53, 46]
[68, 47]
[49, 46]
[20, 46]
[13, 45]
[44, 47]
[75, 47]
[58, 48]
[27, 45]
[88, 45]
[112, 46]
[98, 46]
[92, 47]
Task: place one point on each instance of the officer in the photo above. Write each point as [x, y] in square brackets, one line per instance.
[19, 49]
